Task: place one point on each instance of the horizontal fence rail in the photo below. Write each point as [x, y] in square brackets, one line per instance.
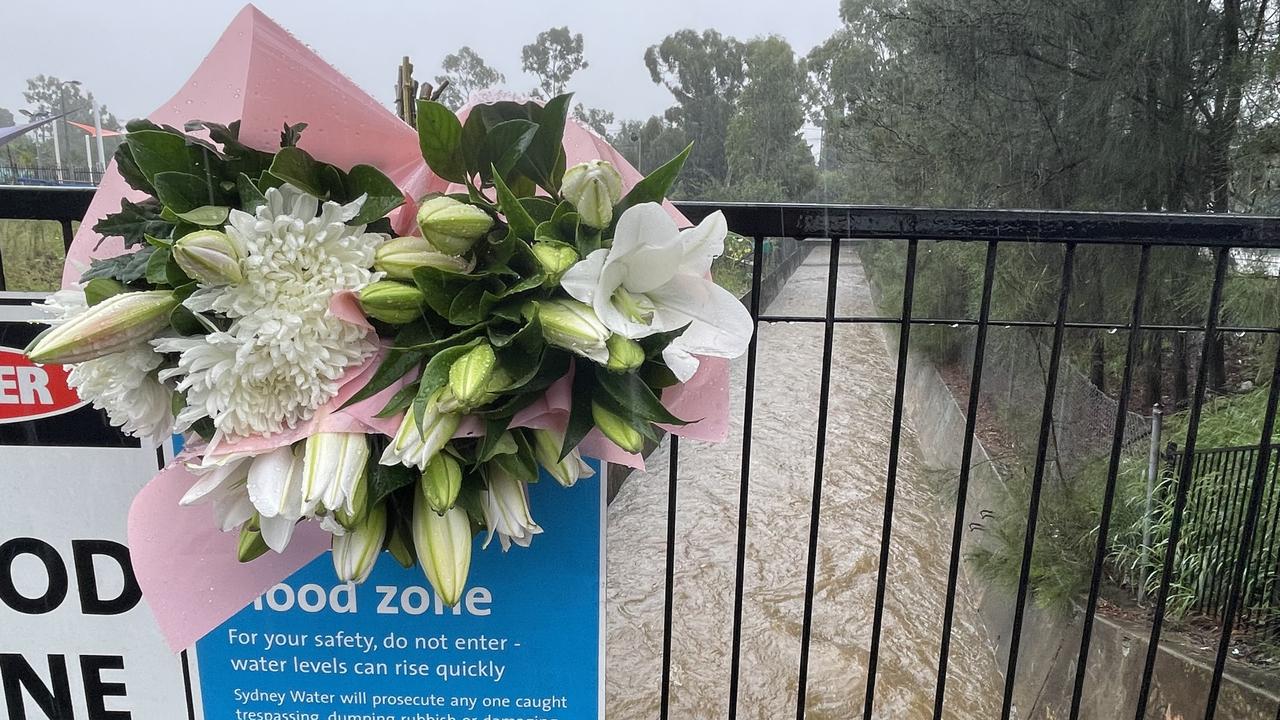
[1249, 510]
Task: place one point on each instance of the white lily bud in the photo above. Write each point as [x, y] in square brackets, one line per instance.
[209, 257]
[506, 509]
[110, 326]
[414, 446]
[356, 552]
[452, 227]
[574, 326]
[333, 465]
[546, 448]
[443, 544]
[441, 482]
[593, 187]
[392, 302]
[398, 258]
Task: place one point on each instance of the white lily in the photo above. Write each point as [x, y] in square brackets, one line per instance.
[414, 446]
[223, 482]
[333, 465]
[506, 510]
[275, 488]
[655, 279]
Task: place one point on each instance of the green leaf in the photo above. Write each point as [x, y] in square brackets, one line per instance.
[394, 366]
[135, 222]
[504, 145]
[539, 208]
[386, 479]
[580, 422]
[158, 151]
[291, 134]
[99, 289]
[157, 266]
[182, 192]
[494, 429]
[297, 167]
[399, 402]
[382, 195]
[518, 218]
[128, 268]
[186, 322]
[207, 215]
[129, 170]
[547, 149]
[654, 187]
[632, 393]
[251, 198]
[440, 137]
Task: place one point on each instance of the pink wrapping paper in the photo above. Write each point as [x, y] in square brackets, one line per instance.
[259, 73]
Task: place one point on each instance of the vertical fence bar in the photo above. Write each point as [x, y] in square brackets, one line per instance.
[671, 575]
[1246, 539]
[1184, 483]
[891, 480]
[1241, 513]
[1268, 555]
[962, 484]
[1037, 480]
[820, 451]
[1113, 471]
[748, 412]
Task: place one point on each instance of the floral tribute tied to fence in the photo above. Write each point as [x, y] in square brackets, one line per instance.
[371, 339]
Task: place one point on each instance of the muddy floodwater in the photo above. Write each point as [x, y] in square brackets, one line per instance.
[782, 462]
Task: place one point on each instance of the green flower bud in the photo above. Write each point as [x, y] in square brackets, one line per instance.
[250, 545]
[619, 431]
[470, 374]
[398, 258]
[452, 227]
[555, 259]
[624, 354]
[443, 544]
[209, 257]
[110, 326]
[392, 302]
[353, 510]
[441, 482]
[574, 326]
[593, 187]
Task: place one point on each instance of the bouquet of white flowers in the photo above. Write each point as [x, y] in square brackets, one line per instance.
[262, 294]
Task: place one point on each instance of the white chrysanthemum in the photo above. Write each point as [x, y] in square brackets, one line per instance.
[123, 383]
[283, 354]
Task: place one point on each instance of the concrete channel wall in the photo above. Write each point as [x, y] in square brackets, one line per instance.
[1050, 642]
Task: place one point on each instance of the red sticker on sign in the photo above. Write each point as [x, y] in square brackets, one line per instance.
[29, 391]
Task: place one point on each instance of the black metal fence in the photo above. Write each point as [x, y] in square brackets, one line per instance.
[990, 230]
[1217, 507]
[48, 175]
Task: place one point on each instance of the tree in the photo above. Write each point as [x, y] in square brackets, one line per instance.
[705, 73]
[6, 117]
[597, 119]
[466, 72]
[763, 143]
[50, 95]
[649, 144]
[554, 56]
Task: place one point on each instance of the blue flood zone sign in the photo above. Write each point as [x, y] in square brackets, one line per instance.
[524, 643]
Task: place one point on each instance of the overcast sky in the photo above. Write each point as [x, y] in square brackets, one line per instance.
[134, 54]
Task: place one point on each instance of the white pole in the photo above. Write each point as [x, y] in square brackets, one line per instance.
[1153, 469]
[97, 128]
[88, 157]
[57, 152]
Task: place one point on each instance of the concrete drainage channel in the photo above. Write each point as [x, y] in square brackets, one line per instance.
[1050, 641]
